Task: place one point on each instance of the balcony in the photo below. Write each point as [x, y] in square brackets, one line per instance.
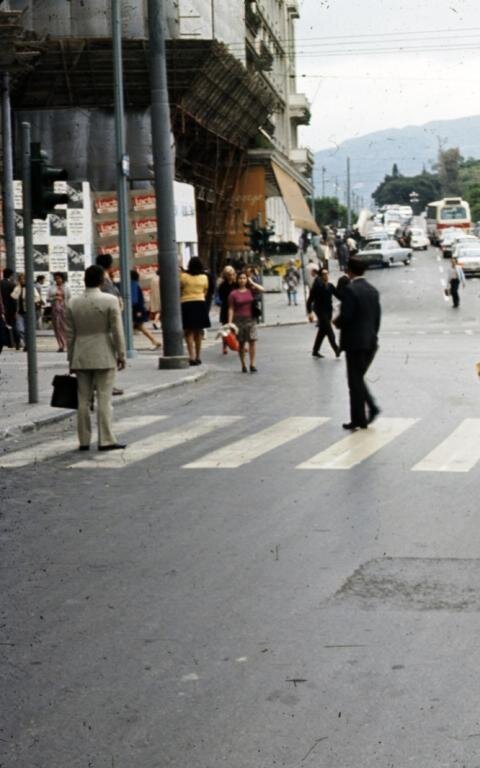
[265, 57]
[253, 20]
[299, 108]
[303, 160]
[292, 9]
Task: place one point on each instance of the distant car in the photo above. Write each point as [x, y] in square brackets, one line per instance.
[419, 240]
[469, 260]
[447, 239]
[377, 233]
[384, 253]
[463, 242]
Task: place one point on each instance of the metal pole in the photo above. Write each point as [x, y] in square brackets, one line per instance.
[164, 174]
[30, 330]
[349, 197]
[323, 180]
[8, 202]
[122, 177]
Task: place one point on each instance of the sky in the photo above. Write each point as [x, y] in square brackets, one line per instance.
[367, 65]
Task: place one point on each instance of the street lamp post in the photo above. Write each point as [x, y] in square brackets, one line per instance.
[414, 198]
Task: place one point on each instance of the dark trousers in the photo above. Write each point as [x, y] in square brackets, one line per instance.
[358, 363]
[324, 329]
[454, 286]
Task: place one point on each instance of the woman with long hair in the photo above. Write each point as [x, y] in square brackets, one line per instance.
[227, 284]
[241, 312]
[193, 293]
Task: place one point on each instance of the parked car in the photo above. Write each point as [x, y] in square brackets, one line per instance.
[384, 253]
[469, 260]
[419, 240]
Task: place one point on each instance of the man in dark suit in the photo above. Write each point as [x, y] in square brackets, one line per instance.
[359, 322]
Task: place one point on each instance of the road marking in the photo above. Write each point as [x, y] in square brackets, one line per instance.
[249, 448]
[358, 446]
[44, 451]
[459, 452]
[161, 441]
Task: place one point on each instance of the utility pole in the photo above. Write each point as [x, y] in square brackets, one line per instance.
[30, 330]
[349, 196]
[8, 202]
[163, 163]
[323, 180]
[123, 169]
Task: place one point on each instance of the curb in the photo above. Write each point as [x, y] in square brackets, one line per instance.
[44, 421]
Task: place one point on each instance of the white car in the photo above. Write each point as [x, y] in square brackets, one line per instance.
[384, 253]
[447, 239]
[419, 240]
[469, 260]
[461, 242]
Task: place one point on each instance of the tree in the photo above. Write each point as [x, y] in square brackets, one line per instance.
[328, 210]
[448, 170]
[397, 190]
[395, 171]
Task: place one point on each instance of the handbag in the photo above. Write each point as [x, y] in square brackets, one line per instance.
[65, 392]
[257, 309]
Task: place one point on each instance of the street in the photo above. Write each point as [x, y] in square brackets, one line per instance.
[247, 585]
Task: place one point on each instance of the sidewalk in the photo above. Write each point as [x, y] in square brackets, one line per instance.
[141, 377]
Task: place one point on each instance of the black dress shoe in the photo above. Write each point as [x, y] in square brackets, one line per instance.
[83, 447]
[317, 354]
[116, 391]
[113, 447]
[374, 412]
[253, 369]
[353, 427]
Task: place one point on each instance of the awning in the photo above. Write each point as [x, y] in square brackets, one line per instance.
[294, 200]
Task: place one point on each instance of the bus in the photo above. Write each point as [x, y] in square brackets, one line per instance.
[447, 213]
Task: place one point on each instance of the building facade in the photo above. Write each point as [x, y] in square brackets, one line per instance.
[234, 106]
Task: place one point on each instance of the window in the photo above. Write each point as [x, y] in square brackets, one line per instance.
[453, 213]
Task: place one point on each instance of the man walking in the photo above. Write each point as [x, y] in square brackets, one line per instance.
[95, 348]
[320, 302]
[359, 323]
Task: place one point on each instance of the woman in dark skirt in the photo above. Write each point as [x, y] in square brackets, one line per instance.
[193, 293]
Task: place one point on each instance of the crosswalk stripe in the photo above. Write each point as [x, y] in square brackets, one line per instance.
[459, 452]
[249, 448]
[44, 451]
[161, 441]
[357, 447]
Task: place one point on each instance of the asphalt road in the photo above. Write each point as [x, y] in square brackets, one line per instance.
[290, 600]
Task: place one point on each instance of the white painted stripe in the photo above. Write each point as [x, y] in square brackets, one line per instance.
[52, 448]
[161, 441]
[459, 452]
[249, 448]
[358, 446]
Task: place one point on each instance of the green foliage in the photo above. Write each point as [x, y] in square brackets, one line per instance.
[328, 210]
[396, 190]
[448, 171]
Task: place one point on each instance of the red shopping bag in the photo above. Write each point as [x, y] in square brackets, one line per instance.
[231, 341]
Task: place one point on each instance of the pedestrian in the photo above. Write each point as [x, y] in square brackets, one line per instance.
[359, 323]
[241, 313]
[10, 305]
[455, 278]
[59, 295]
[227, 284]
[155, 304]
[311, 271]
[40, 286]
[343, 253]
[19, 293]
[105, 261]
[139, 312]
[95, 348]
[194, 288]
[3, 325]
[292, 278]
[320, 303]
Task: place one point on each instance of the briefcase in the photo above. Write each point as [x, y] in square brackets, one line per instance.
[65, 392]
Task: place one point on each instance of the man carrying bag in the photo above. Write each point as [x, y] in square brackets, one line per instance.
[95, 348]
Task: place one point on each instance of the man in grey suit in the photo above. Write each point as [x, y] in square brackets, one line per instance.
[359, 323]
[95, 349]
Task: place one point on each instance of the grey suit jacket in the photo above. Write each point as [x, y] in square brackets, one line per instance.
[94, 331]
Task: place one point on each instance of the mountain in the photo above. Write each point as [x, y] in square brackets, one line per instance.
[373, 155]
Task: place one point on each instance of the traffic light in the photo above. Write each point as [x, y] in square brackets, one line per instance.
[265, 235]
[253, 236]
[43, 177]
